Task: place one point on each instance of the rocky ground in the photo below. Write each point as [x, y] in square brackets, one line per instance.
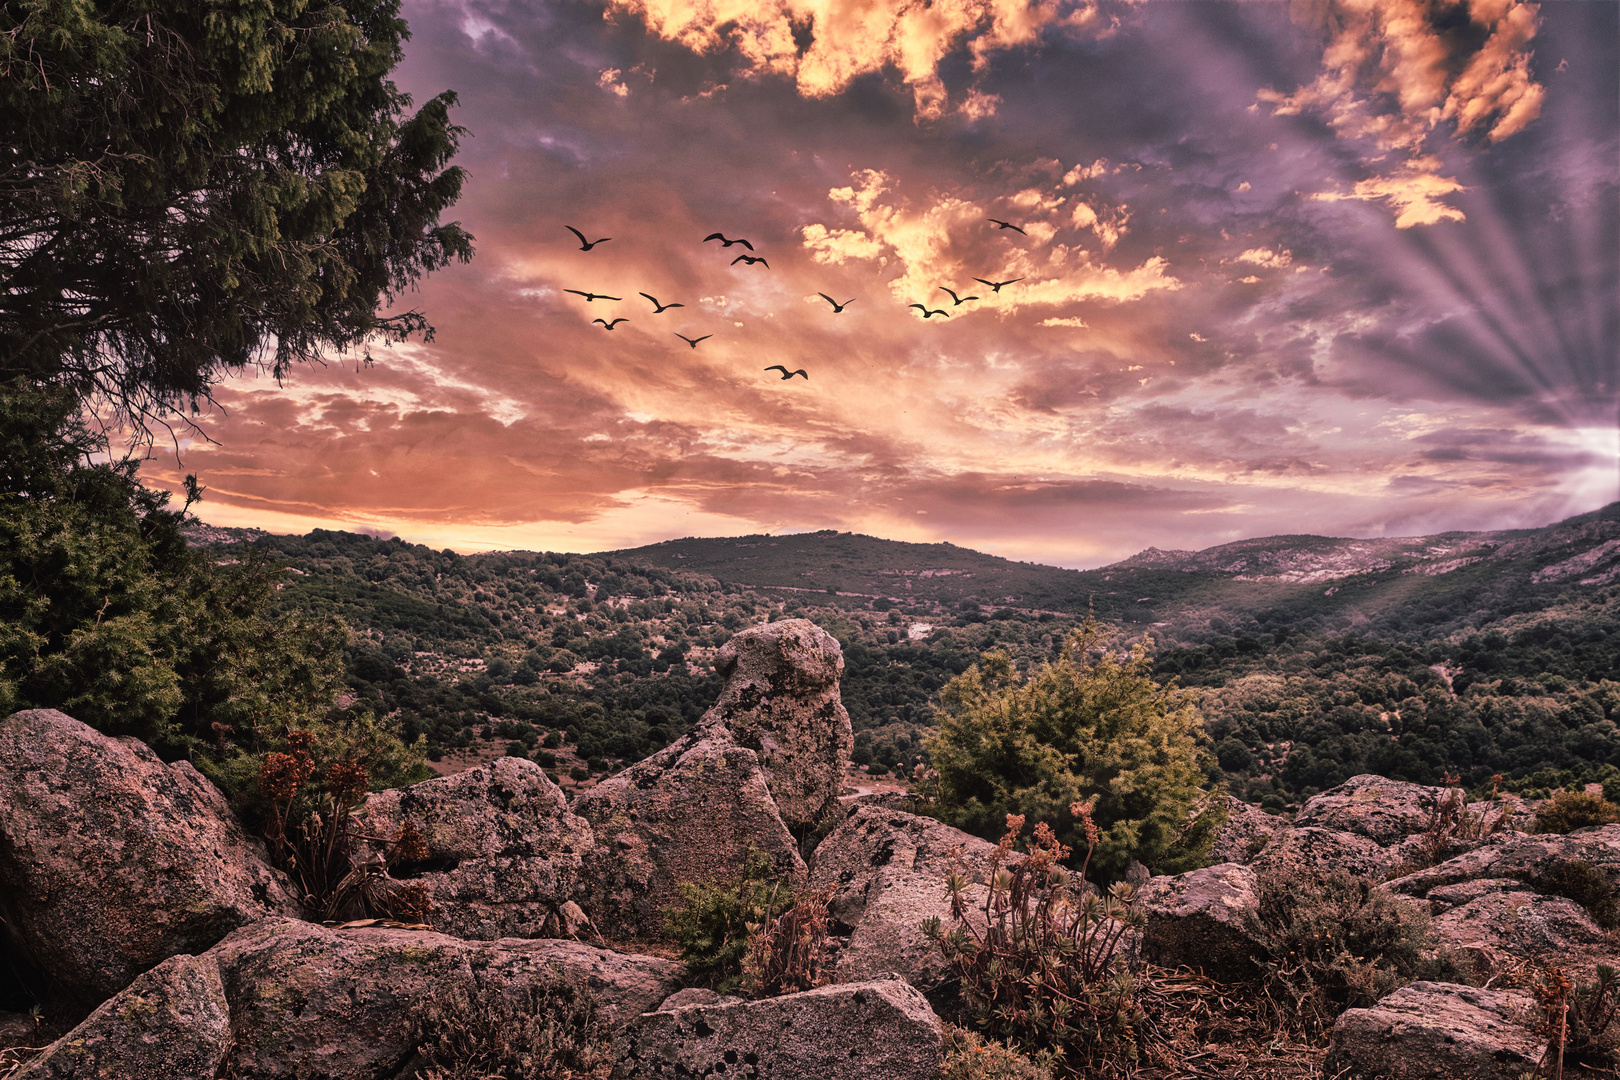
[180, 952]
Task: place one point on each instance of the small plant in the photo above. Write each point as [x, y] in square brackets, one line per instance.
[1575, 1019]
[1451, 822]
[785, 953]
[547, 1032]
[712, 923]
[1570, 810]
[1037, 960]
[1336, 941]
[969, 1056]
[1580, 881]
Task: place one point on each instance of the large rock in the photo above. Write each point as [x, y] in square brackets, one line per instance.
[1437, 1031]
[1382, 810]
[1317, 851]
[1245, 832]
[114, 861]
[781, 701]
[689, 813]
[1204, 919]
[885, 871]
[852, 1031]
[1524, 858]
[171, 1023]
[1502, 927]
[311, 1002]
[504, 852]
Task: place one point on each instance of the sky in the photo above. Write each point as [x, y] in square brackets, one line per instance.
[1345, 267]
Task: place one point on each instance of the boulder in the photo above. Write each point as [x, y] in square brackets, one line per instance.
[781, 701]
[1382, 810]
[853, 1031]
[1202, 919]
[115, 861]
[308, 1001]
[1317, 850]
[689, 813]
[171, 1023]
[1437, 1031]
[1501, 928]
[1513, 855]
[504, 852]
[885, 871]
[1245, 832]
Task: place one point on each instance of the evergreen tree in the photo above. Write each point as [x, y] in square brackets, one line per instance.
[1087, 728]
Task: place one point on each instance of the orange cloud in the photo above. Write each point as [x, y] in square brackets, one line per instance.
[1415, 190]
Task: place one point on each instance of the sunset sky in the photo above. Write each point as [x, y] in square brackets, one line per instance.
[1344, 267]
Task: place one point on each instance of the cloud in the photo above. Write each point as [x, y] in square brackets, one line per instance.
[1415, 190]
[1275, 260]
[1076, 322]
[824, 45]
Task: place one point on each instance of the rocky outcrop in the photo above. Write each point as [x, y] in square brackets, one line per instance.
[689, 813]
[1502, 927]
[171, 1023]
[1524, 858]
[1317, 851]
[1437, 1031]
[781, 701]
[114, 861]
[1384, 811]
[1245, 831]
[504, 853]
[289, 999]
[1202, 919]
[885, 871]
[853, 1031]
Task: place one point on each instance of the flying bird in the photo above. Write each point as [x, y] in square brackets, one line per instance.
[727, 243]
[589, 296]
[692, 341]
[586, 245]
[837, 307]
[750, 260]
[995, 286]
[786, 374]
[1007, 225]
[661, 308]
[929, 314]
[611, 325]
[960, 300]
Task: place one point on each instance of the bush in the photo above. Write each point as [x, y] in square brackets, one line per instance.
[1571, 810]
[1036, 961]
[1583, 883]
[785, 953]
[1336, 941]
[969, 1056]
[550, 1032]
[1089, 729]
[712, 923]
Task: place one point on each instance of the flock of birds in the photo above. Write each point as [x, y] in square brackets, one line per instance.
[660, 307]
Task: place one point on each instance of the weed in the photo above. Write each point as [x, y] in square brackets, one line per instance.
[1583, 883]
[547, 1032]
[712, 923]
[1570, 810]
[969, 1056]
[785, 953]
[1451, 823]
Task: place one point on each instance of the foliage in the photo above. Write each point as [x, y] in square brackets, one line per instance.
[1336, 941]
[549, 1031]
[1037, 959]
[1580, 881]
[1452, 823]
[969, 1056]
[1567, 811]
[193, 187]
[1575, 1020]
[106, 614]
[712, 924]
[1088, 729]
[786, 953]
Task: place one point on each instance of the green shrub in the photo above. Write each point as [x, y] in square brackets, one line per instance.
[712, 923]
[549, 1032]
[1570, 810]
[969, 1056]
[1336, 941]
[1088, 729]
[1583, 883]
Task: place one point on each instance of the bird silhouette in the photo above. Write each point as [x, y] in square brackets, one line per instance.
[750, 260]
[837, 307]
[1007, 225]
[589, 296]
[727, 243]
[929, 314]
[995, 286]
[692, 341]
[661, 308]
[611, 325]
[586, 245]
[960, 300]
[786, 374]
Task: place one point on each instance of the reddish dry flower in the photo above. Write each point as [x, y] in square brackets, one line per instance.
[410, 903]
[409, 845]
[282, 775]
[347, 781]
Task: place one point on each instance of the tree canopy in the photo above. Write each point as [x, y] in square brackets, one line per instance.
[194, 187]
[1090, 727]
